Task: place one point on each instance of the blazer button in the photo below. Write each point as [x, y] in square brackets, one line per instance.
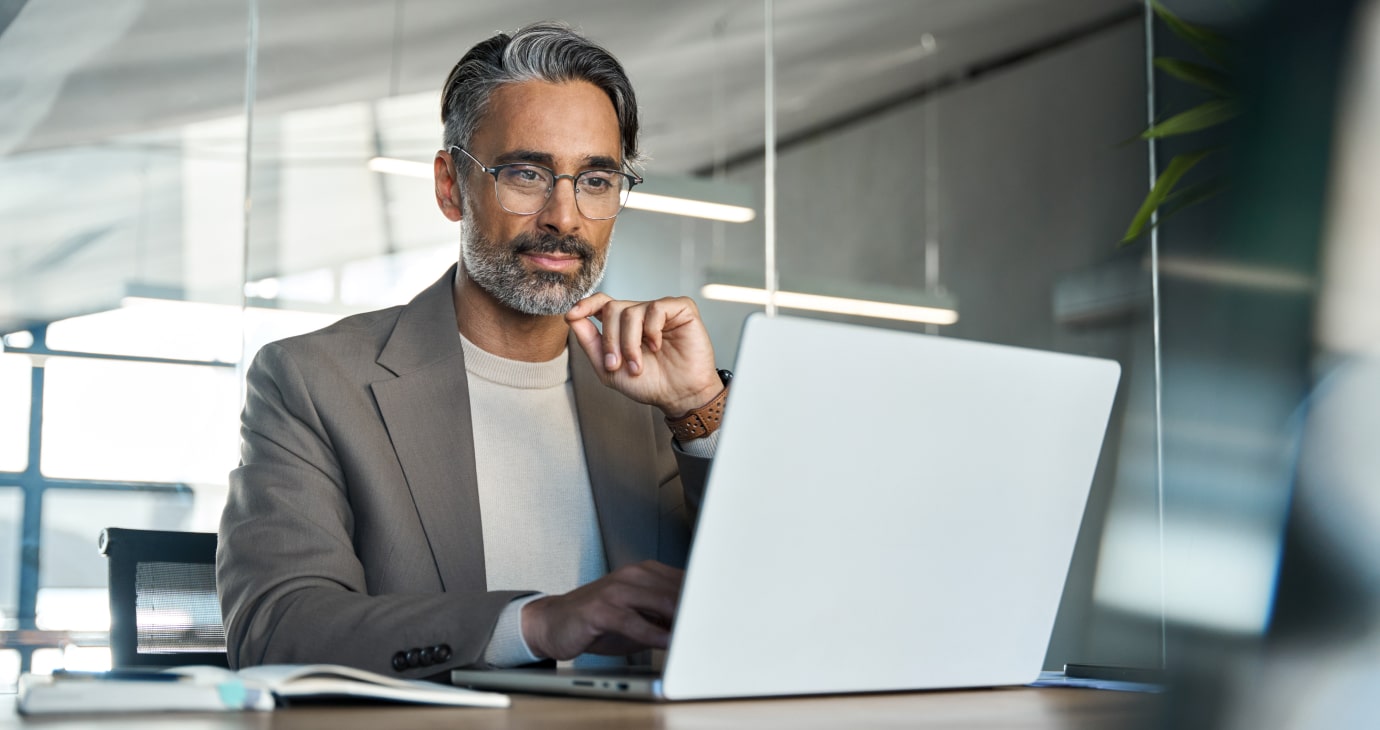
[399, 662]
[414, 658]
[443, 653]
[428, 656]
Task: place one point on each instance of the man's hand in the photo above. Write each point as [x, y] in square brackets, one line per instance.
[656, 352]
[626, 611]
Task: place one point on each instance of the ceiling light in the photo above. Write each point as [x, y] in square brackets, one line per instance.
[690, 208]
[835, 305]
[637, 200]
[1232, 273]
[835, 296]
[406, 168]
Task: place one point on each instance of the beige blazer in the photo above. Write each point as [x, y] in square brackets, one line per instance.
[352, 530]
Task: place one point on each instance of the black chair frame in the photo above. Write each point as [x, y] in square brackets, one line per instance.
[125, 549]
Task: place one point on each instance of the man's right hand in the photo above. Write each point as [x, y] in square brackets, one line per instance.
[626, 611]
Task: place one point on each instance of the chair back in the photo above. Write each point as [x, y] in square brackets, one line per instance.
[164, 610]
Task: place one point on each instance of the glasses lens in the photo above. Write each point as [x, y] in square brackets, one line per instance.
[523, 189]
[601, 193]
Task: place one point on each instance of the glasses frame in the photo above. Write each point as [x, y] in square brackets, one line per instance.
[494, 170]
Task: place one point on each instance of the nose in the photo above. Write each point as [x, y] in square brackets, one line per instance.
[561, 214]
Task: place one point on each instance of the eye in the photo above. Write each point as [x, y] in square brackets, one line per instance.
[598, 181]
[524, 176]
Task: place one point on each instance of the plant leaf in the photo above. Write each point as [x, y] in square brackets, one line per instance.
[1197, 74]
[1208, 42]
[1191, 195]
[1185, 198]
[1164, 185]
[1166, 211]
[1208, 114]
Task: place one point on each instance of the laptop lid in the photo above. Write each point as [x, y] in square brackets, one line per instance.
[886, 511]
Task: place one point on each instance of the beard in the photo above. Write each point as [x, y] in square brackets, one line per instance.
[498, 269]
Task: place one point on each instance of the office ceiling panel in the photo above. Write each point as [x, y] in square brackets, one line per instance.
[122, 66]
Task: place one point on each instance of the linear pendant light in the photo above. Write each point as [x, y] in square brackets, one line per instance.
[835, 305]
[637, 200]
[882, 302]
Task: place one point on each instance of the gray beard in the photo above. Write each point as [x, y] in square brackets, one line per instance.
[498, 269]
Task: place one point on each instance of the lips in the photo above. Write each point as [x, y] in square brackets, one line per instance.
[551, 253]
[553, 262]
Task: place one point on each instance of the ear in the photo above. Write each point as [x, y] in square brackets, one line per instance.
[447, 188]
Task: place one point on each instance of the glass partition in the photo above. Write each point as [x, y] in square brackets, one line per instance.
[990, 186]
[966, 160]
[961, 160]
[345, 218]
[122, 153]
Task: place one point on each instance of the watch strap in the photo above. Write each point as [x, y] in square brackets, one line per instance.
[700, 422]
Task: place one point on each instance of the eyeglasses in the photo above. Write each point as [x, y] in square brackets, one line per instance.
[524, 189]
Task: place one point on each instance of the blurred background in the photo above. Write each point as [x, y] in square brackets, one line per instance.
[181, 183]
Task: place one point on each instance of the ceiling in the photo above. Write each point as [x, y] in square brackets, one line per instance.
[122, 66]
[74, 83]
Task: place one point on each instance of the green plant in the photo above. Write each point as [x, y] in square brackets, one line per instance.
[1165, 197]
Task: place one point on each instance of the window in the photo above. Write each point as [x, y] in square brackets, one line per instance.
[15, 394]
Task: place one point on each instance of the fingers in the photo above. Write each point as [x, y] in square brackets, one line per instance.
[630, 329]
[602, 349]
[590, 340]
[636, 627]
[630, 326]
[588, 307]
[627, 610]
[638, 603]
[609, 316]
[657, 585]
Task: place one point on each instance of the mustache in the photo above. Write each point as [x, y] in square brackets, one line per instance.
[547, 243]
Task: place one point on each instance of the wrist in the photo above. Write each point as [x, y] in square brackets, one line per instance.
[507, 646]
[682, 406]
[700, 422]
[530, 623]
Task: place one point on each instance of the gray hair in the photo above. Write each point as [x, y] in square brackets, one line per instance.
[549, 51]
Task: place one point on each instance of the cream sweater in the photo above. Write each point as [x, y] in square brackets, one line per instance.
[541, 532]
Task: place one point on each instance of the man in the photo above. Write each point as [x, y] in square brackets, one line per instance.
[449, 483]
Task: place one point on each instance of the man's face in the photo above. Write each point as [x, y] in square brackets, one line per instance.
[540, 264]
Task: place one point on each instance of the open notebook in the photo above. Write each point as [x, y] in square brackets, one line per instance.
[209, 689]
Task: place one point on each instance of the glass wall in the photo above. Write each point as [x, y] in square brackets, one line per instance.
[122, 159]
[994, 187]
[965, 157]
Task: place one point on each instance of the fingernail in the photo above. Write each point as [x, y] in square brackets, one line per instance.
[611, 361]
[633, 367]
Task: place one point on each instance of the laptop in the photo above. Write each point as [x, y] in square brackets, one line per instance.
[887, 511]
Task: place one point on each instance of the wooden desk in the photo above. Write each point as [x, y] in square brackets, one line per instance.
[1024, 707]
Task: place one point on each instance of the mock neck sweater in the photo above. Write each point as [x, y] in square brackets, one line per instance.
[537, 509]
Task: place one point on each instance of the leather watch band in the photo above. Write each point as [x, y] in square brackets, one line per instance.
[701, 421]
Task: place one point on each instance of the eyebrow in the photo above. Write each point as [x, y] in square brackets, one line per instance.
[591, 162]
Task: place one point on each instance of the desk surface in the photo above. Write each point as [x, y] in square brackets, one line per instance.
[1021, 707]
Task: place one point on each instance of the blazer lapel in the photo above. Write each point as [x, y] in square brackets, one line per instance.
[620, 454]
[426, 410]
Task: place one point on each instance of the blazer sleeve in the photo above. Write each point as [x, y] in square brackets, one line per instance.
[694, 473]
[292, 588]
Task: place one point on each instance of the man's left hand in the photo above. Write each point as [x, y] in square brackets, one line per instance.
[655, 352]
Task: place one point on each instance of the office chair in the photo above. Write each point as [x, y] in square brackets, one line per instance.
[163, 605]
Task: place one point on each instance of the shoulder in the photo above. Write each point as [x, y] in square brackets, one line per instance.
[350, 345]
[348, 336]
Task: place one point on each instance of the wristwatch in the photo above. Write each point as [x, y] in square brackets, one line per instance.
[706, 419]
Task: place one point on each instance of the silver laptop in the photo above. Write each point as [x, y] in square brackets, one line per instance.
[886, 511]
